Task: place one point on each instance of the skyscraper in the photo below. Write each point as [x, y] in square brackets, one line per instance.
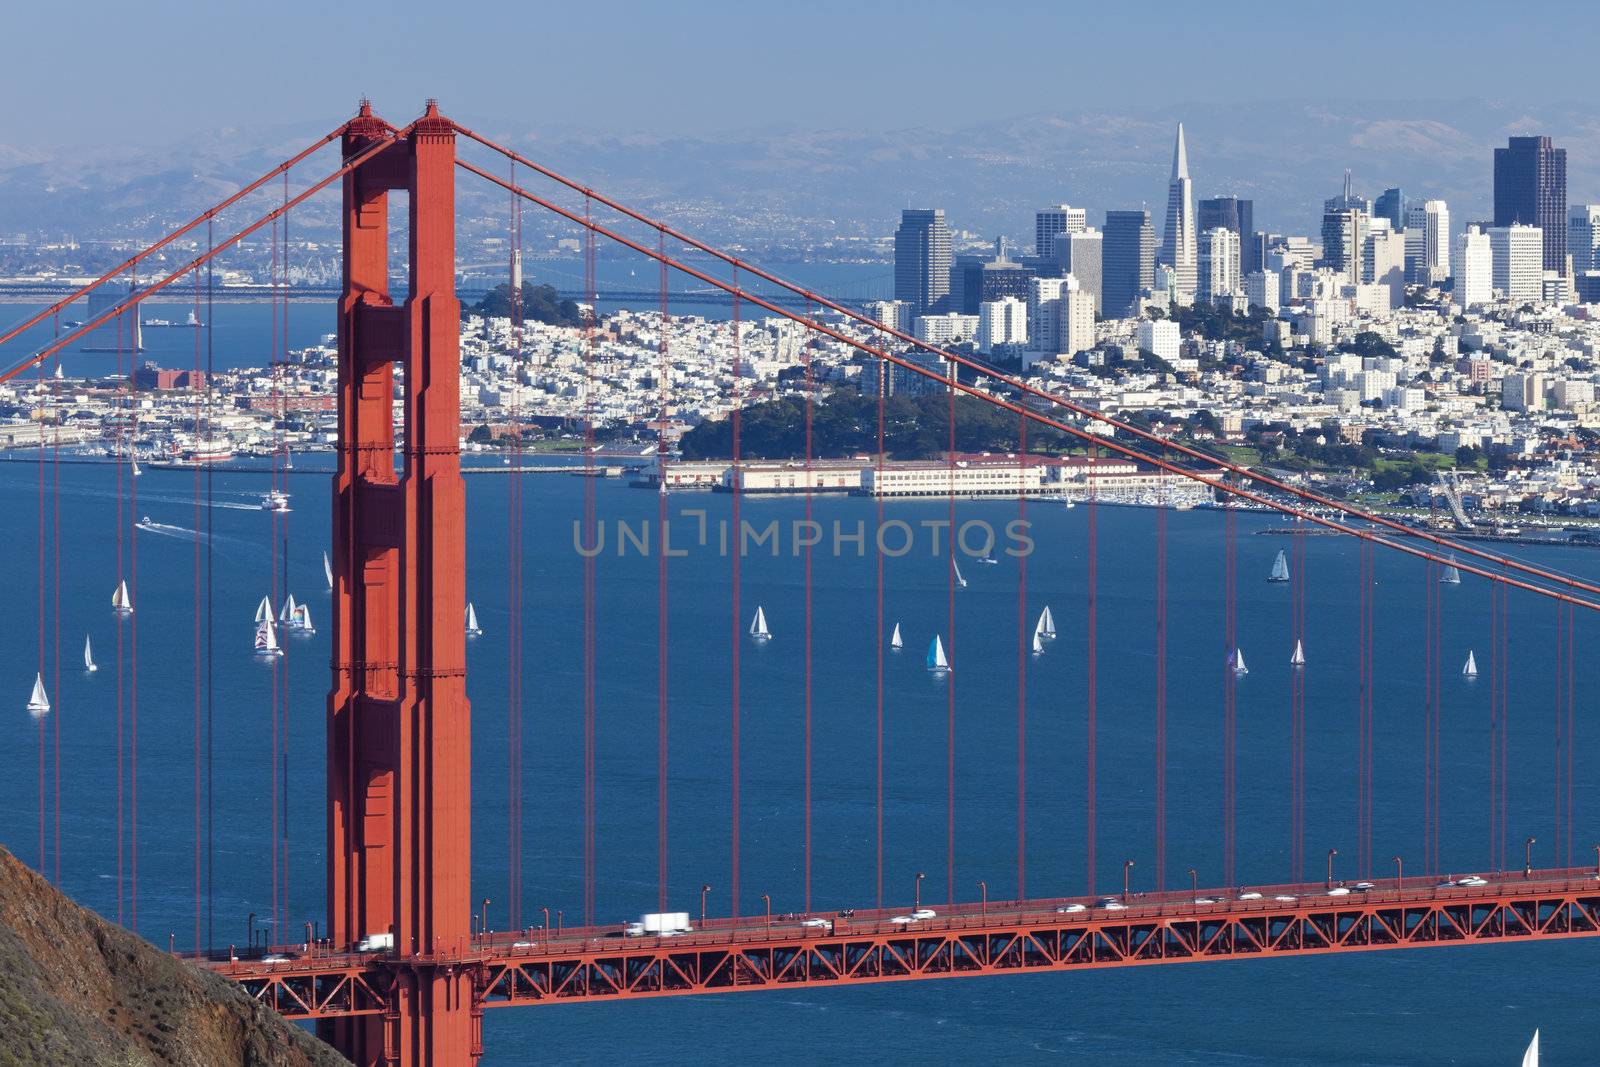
[922, 259]
[1082, 256]
[1392, 206]
[1231, 213]
[1517, 256]
[1128, 260]
[1428, 242]
[1344, 232]
[1060, 218]
[1530, 187]
[1473, 268]
[1218, 266]
[1583, 237]
[1178, 242]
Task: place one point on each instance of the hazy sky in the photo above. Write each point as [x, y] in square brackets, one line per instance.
[162, 69]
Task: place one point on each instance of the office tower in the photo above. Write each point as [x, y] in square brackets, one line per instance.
[1082, 256]
[1343, 233]
[966, 270]
[1473, 268]
[1517, 253]
[1000, 278]
[1127, 262]
[1391, 205]
[1178, 242]
[1383, 260]
[1427, 242]
[1530, 187]
[894, 314]
[1218, 267]
[1349, 201]
[1061, 218]
[1231, 213]
[1583, 237]
[922, 259]
[1002, 323]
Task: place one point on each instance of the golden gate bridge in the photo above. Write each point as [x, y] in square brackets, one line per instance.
[408, 960]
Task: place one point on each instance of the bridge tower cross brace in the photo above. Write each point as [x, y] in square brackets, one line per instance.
[399, 757]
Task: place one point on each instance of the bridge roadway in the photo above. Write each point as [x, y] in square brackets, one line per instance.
[998, 937]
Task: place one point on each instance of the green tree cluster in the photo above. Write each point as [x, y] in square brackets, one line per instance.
[540, 303]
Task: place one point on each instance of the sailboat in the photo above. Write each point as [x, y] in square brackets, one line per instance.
[1046, 626]
[1238, 663]
[473, 629]
[1299, 657]
[302, 619]
[88, 656]
[961, 583]
[267, 639]
[38, 702]
[937, 663]
[120, 600]
[1280, 568]
[286, 616]
[894, 639]
[135, 461]
[264, 610]
[758, 626]
[1450, 576]
[1038, 643]
[1530, 1058]
[327, 570]
[1470, 668]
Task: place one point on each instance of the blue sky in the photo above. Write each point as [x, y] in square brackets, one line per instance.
[162, 68]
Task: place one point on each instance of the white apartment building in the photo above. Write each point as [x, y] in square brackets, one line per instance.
[1517, 256]
[1263, 289]
[1218, 271]
[1383, 262]
[1161, 338]
[1522, 392]
[1428, 242]
[1076, 320]
[1473, 268]
[1002, 322]
[947, 329]
[895, 314]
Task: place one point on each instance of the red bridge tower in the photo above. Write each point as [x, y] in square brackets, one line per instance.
[399, 758]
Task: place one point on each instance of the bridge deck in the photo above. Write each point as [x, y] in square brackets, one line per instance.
[749, 953]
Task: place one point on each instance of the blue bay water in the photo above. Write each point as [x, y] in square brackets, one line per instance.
[1462, 1006]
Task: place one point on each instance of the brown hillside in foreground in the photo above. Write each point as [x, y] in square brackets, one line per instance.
[76, 990]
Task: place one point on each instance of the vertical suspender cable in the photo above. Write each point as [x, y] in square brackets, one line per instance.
[1229, 688]
[1091, 727]
[133, 639]
[662, 662]
[1022, 663]
[55, 685]
[211, 931]
[195, 386]
[1161, 695]
[1297, 713]
[735, 645]
[592, 546]
[949, 678]
[805, 354]
[884, 370]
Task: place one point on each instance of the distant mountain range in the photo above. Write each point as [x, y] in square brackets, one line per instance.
[790, 188]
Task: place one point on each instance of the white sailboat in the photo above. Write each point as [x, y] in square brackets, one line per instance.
[88, 655]
[286, 615]
[1299, 657]
[38, 702]
[1450, 575]
[961, 583]
[1470, 668]
[937, 663]
[1530, 1058]
[327, 570]
[1038, 643]
[758, 625]
[302, 619]
[135, 461]
[1238, 662]
[1046, 626]
[1280, 568]
[120, 600]
[473, 629]
[267, 639]
[264, 610]
[894, 639]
